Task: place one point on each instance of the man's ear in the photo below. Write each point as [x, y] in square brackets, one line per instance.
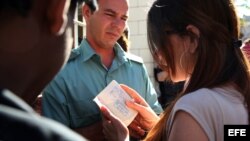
[57, 15]
[194, 37]
[86, 12]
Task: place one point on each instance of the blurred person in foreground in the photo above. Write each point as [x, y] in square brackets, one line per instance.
[199, 43]
[36, 39]
[246, 48]
[92, 66]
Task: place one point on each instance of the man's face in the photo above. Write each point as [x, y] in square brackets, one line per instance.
[105, 26]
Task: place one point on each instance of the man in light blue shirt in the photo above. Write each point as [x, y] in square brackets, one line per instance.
[91, 67]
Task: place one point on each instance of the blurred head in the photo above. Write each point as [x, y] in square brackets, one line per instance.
[106, 25]
[123, 41]
[246, 48]
[35, 38]
[194, 38]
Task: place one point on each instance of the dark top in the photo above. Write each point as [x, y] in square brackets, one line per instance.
[18, 121]
[168, 89]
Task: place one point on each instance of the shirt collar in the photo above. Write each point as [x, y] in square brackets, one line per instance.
[88, 52]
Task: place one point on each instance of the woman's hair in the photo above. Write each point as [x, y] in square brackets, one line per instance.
[219, 58]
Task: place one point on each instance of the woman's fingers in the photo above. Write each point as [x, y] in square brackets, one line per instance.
[134, 95]
[136, 129]
[138, 107]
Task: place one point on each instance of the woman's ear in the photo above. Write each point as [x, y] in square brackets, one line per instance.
[194, 37]
[57, 15]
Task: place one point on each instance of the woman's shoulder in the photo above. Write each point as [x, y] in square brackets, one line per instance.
[211, 96]
[213, 108]
[198, 96]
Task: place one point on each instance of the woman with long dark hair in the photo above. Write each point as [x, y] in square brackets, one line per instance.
[196, 41]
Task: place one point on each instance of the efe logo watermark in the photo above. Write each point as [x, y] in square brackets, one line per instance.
[236, 132]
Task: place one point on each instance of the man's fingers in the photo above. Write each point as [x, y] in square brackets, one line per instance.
[108, 114]
[111, 117]
[105, 112]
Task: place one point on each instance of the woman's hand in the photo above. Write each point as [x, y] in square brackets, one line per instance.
[113, 128]
[146, 117]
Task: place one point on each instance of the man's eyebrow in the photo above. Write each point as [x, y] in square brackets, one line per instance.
[110, 10]
[113, 12]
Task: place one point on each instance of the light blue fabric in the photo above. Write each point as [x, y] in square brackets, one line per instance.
[69, 97]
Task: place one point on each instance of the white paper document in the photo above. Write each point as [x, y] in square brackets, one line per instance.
[114, 97]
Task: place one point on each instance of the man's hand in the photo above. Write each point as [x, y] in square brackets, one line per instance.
[113, 128]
